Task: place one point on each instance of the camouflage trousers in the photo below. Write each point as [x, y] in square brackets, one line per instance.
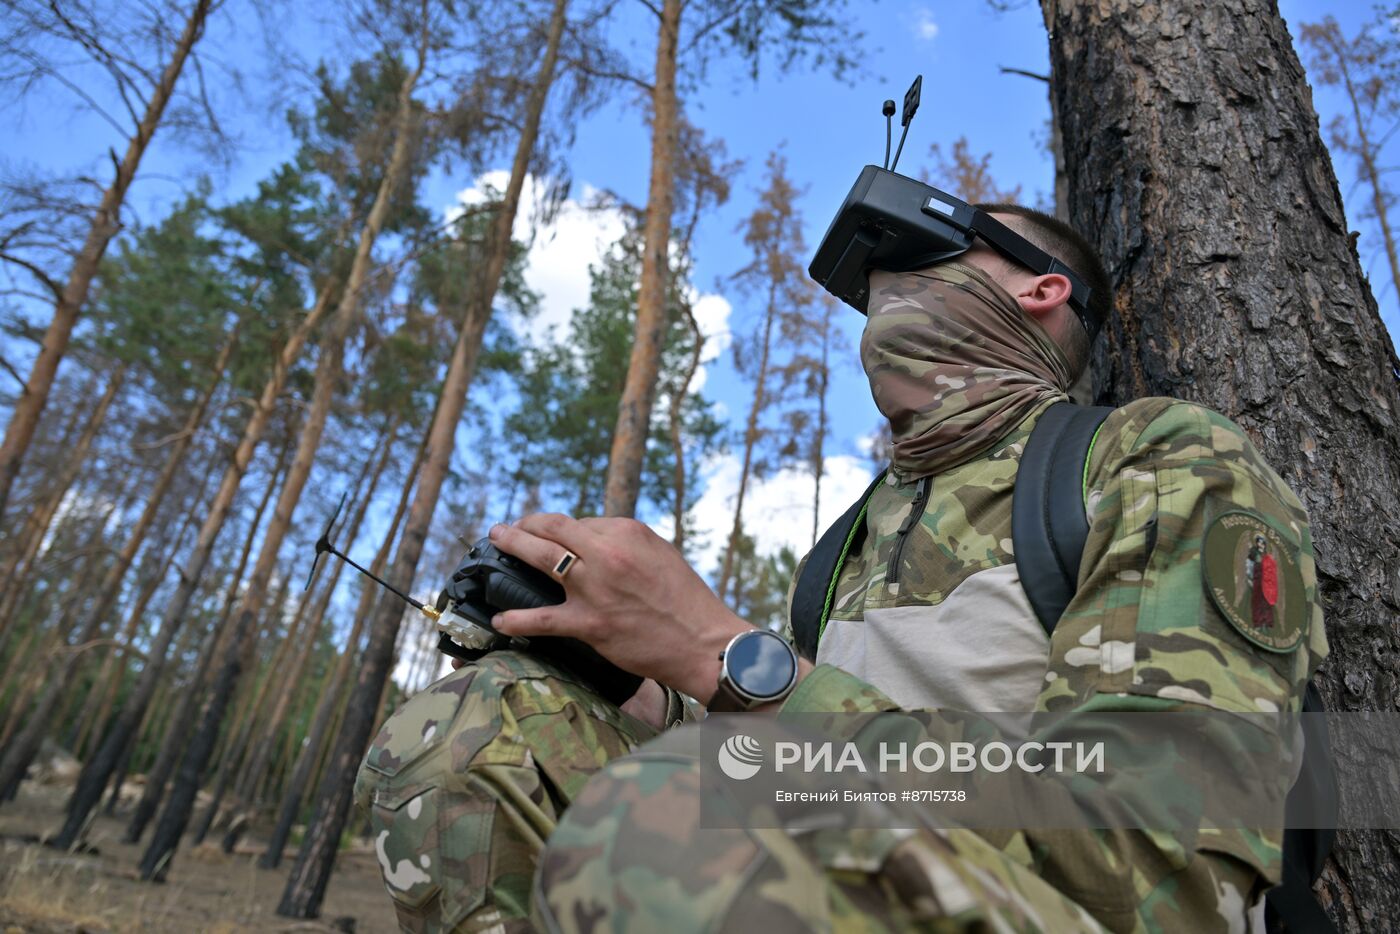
[508, 797]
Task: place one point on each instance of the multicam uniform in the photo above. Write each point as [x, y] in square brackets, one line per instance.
[469, 780]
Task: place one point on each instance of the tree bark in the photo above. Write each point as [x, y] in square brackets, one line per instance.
[98, 769]
[1204, 180]
[105, 224]
[628, 453]
[306, 884]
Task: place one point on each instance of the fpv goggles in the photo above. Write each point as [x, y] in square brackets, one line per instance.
[894, 223]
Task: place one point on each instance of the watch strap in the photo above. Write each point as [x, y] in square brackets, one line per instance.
[727, 700]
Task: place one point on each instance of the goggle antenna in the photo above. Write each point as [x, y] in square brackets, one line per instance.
[911, 105]
[888, 112]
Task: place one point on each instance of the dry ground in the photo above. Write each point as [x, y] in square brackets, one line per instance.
[50, 892]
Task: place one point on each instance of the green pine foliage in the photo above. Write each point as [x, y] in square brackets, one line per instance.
[569, 391]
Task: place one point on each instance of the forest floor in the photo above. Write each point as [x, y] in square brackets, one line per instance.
[46, 891]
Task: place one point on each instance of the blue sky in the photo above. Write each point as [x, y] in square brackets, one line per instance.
[827, 129]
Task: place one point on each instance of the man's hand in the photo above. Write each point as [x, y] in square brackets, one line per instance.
[630, 595]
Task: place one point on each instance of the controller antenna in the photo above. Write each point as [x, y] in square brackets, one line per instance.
[911, 104]
[888, 111]
[323, 545]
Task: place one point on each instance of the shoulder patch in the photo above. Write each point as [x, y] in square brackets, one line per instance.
[1252, 575]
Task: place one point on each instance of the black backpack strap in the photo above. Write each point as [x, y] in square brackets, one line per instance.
[811, 599]
[1313, 799]
[1048, 526]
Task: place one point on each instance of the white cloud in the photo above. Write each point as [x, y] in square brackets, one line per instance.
[777, 510]
[561, 254]
[925, 26]
[559, 257]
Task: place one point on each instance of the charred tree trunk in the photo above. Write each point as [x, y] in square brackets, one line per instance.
[639, 391]
[99, 768]
[105, 224]
[1203, 177]
[306, 884]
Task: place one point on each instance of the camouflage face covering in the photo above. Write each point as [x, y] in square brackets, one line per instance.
[954, 363]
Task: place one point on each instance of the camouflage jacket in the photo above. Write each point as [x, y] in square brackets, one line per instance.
[935, 617]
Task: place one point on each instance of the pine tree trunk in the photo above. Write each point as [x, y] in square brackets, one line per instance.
[328, 371]
[103, 601]
[37, 528]
[14, 544]
[179, 732]
[306, 885]
[329, 705]
[56, 669]
[760, 401]
[103, 695]
[251, 778]
[203, 745]
[261, 751]
[678, 420]
[1204, 180]
[105, 224]
[639, 392]
[98, 769]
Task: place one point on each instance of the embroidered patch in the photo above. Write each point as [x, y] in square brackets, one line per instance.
[1251, 573]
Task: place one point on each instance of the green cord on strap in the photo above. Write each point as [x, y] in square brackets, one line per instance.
[841, 560]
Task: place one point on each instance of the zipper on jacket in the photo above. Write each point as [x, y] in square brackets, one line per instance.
[916, 511]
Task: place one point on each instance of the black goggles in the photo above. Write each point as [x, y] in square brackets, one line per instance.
[893, 223]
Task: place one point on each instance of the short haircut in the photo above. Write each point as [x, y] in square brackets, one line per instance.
[1064, 243]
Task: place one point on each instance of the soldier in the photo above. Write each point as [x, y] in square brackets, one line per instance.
[468, 784]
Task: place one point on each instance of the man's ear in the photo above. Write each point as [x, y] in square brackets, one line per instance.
[1043, 294]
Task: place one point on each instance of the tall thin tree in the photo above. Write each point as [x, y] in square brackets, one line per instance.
[106, 221]
[306, 884]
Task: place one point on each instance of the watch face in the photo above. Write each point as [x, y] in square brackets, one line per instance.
[760, 664]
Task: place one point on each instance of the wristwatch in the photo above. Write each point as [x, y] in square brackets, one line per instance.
[756, 667]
